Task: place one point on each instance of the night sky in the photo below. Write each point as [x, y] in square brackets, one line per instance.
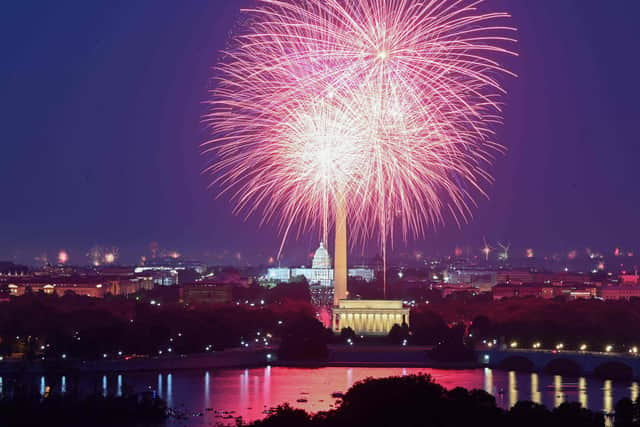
[100, 107]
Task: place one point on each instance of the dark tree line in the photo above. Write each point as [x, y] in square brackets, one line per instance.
[87, 328]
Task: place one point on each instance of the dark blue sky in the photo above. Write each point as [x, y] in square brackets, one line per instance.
[100, 105]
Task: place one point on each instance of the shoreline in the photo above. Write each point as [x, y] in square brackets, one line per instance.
[340, 356]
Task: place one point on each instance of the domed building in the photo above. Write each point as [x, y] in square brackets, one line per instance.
[320, 273]
[321, 259]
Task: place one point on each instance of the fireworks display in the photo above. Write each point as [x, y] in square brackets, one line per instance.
[98, 255]
[63, 257]
[387, 105]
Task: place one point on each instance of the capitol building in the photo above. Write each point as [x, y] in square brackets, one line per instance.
[320, 273]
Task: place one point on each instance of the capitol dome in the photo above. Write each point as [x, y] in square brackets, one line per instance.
[321, 258]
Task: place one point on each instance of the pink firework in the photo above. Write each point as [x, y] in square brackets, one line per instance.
[385, 105]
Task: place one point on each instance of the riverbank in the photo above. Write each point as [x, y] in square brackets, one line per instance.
[232, 358]
[339, 356]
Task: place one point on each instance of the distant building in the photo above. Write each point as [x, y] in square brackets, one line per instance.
[447, 290]
[320, 272]
[169, 271]
[547, 291]
[8, 268]
[96, 286]
[279, 274]
[629, 279]
[207, 293]
[176, 263]
[482, 279]
[507, 290]
[623, 292]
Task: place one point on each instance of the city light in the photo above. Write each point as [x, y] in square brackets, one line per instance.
[513, 344]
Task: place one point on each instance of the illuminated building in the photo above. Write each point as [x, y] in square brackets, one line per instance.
[320, 272]
[170, 271]
[321, 258]
[175, 263]
[546, 291]
[623, 292]
[162, 276]
[629, 279]
[207, 293]
[279, 274]
[369, 317]
[96, 287]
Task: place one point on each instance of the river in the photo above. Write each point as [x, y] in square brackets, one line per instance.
[249, 392]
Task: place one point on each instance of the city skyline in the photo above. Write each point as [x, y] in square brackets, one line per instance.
[106, 139]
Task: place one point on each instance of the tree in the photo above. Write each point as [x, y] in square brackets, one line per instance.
[304, 339]
[347, 334]
[398, 334]
[428, 327]
[480, 327]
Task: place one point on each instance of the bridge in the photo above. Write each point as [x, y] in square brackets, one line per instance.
[578, 363]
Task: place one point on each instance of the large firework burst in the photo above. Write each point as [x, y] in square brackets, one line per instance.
[387, 105]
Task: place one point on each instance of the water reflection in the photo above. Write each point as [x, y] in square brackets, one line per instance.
[266, 389]
[207, 389]
[513, 389]
[582, 392]
[159, 387]
[557, 388]
[244, 388]
[119, 385]
[488, 380]
[249, 392]
[535, 388]
[607, 402]
[105, 390]
[169, 397]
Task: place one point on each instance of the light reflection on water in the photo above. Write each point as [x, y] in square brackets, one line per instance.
[513, 388]
[557, 390]
[535, 389]
[607, 404]
[582, 389]
[250, 392]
